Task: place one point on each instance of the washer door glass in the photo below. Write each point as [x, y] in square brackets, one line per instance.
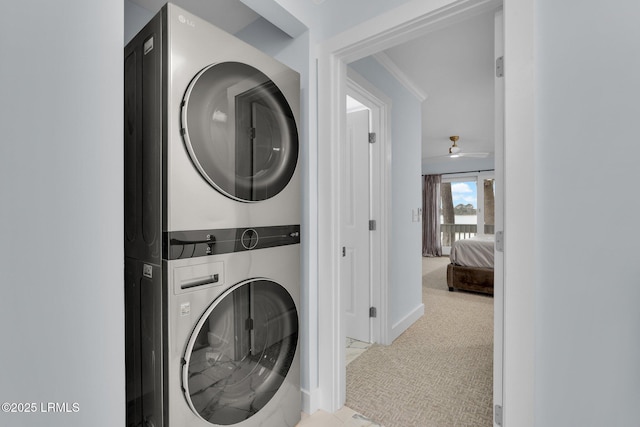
[240, 131]
[240, 352]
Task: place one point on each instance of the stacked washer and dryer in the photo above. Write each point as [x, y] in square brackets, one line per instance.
[212, 229]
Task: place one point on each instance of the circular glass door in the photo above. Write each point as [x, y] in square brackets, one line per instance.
[240, 352]
[240, 131]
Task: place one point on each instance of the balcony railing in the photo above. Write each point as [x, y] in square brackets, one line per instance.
[450, 233]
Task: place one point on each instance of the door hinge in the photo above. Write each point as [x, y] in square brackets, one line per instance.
[373, 312]
[344, 251]
[500, 241]
[500, 67]
[372, 138]
[372, 224]
[498, 415]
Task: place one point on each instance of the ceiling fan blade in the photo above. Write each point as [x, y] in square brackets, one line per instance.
[478, 155]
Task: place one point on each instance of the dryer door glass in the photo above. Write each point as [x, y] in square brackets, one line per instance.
[240, 352]
[240, 131]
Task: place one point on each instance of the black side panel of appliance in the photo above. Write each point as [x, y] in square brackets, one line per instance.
[144, 351]
[131, 155]
[144, 344]
[144, 341]
[152, 326]
[143, 141]
[143, 212]
[132, 344]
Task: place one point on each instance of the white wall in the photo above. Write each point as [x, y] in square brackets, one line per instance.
[405, 275]
[61, 220]
[135, 17]
[588, 285]
[460, 164]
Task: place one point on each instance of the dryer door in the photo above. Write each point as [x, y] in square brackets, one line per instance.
[240, 352]
[240, 131]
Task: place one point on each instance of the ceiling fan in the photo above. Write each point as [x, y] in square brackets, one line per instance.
[455, 151]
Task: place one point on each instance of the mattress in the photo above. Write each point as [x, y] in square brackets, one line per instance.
[474, 252]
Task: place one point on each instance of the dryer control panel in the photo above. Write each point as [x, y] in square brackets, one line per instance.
[198, 243]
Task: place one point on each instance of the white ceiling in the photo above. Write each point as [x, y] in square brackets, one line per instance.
[454, 67]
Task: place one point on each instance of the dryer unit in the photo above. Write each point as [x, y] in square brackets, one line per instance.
[214, 121]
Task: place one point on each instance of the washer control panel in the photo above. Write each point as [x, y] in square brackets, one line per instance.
[198, 243]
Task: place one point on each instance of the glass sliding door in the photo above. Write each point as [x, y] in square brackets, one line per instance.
[466, 207]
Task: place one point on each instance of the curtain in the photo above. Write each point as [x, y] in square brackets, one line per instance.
[431, 245]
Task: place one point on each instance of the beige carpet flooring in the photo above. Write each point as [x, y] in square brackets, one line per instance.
[439, 372]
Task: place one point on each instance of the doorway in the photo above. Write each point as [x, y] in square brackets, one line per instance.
[355, 207]
[331, 72]
[364, 282]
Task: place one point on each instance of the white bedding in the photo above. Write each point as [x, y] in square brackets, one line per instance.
[474, 252]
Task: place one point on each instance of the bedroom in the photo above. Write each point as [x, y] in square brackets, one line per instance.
[462, 131]
[462, 198]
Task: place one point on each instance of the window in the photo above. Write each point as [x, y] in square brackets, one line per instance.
[466, 207]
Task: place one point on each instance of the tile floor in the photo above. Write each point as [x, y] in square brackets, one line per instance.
[345, 417]
[354, 349]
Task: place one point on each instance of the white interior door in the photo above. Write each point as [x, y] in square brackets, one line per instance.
[355, 198]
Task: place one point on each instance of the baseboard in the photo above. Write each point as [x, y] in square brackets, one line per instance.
[309, 401]
[398, 328]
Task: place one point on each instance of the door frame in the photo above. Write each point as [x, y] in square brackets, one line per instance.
[399, 25]
[379, 106]
[499, 176]
[403, 24]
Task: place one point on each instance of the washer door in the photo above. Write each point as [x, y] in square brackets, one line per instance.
[240, 352]
[240, 131]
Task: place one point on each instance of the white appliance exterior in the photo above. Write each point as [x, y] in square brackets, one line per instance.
[185, 308]
[193, 204]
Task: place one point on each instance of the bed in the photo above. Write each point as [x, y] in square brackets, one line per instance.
[471, 267]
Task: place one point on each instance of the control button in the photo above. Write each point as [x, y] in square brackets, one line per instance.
[249, 238]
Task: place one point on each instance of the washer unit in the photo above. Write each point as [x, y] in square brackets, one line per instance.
[213, 340]
[233, 338]
[212, 214]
